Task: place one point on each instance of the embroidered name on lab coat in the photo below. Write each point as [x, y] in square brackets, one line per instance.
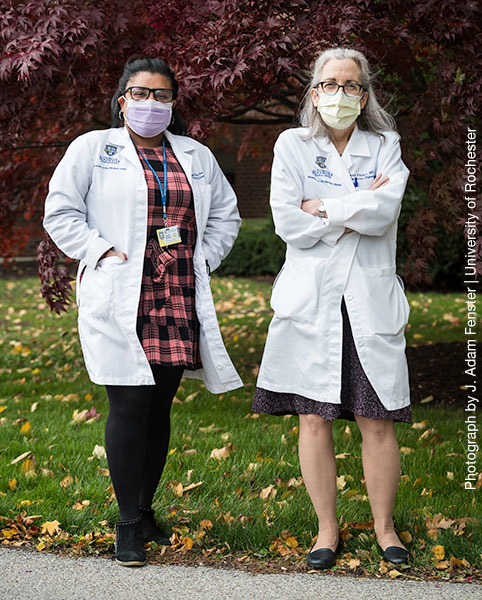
[108, 162]
[323, 176]
[357, 178]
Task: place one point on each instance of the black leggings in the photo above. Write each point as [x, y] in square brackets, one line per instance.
[137, 438]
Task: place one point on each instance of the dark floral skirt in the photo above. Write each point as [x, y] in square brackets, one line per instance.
[357, 394]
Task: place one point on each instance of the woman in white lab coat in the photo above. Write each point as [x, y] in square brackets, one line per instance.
[336, 346]
[149, 213]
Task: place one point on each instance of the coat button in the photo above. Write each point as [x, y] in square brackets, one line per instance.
[219, 366]
[349, 297]
[360, 343]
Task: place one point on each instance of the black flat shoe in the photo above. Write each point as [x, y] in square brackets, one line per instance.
[150, 529]
[395, 554]
[323, 558]
[129, 543]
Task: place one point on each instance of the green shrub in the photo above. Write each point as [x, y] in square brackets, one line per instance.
[257, 250]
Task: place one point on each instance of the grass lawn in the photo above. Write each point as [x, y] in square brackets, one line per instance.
[249, 504]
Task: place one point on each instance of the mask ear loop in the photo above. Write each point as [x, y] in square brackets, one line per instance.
[121, 114]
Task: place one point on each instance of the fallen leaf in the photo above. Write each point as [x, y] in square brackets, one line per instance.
[439, 552]
[99, 452]
[268, 492]
[405, 450]
[187, 543]
[10, 533]
[2, 408]
[28, 467]
[427, 399]
[340, 482]
[192, 486]
[50, 527]
[353, 563]
[79, 416]
[420, 425]
[456, 562]
[92, 415]
[178, 489]
[443, 564]
[66, 481]
[205, 524]
[394, 573]
[406, 537]
[291, 542]
[34, 407]
[222, 453]
[383, 568]
[12, 484]
[25, 429]
[103, 472]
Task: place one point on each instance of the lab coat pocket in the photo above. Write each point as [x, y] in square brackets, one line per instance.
[388, 306]
[95, 294]
[296, 295]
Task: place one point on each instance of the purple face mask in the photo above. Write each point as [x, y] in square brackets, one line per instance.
[148, 118]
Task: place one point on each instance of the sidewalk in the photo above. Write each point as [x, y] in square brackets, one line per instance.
[27, 575]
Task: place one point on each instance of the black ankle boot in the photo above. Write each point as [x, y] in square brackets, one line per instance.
[129, 543]
[150, 529]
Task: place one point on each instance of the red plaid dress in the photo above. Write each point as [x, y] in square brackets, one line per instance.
[167, 325]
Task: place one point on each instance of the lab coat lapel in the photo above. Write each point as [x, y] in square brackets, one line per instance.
[341, 170]
[183, 152]
[340, 165]
[334, 161]
[357, 146]
[120, 137]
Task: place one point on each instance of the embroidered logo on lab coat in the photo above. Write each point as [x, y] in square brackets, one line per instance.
[110, 149]
[320, 161]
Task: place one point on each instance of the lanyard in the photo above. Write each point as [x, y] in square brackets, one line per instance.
[162, 188]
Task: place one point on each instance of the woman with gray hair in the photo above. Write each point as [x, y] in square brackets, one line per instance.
[336, 345]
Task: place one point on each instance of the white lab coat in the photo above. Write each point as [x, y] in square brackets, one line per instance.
[303, 349]
[97, 200]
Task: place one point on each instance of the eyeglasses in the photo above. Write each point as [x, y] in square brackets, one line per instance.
[143, 93]
[331, 88]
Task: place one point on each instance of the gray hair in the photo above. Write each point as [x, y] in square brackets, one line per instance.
[372, 118]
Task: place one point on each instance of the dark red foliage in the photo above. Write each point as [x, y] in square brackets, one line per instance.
[238, 61]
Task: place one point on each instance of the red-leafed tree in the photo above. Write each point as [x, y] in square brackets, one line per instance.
[238, 61]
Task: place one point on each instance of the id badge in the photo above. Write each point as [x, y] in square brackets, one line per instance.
[169, 235]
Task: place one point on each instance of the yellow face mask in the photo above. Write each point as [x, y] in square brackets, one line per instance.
[338, 110]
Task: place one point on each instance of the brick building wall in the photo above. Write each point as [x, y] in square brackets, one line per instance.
[249, 177]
